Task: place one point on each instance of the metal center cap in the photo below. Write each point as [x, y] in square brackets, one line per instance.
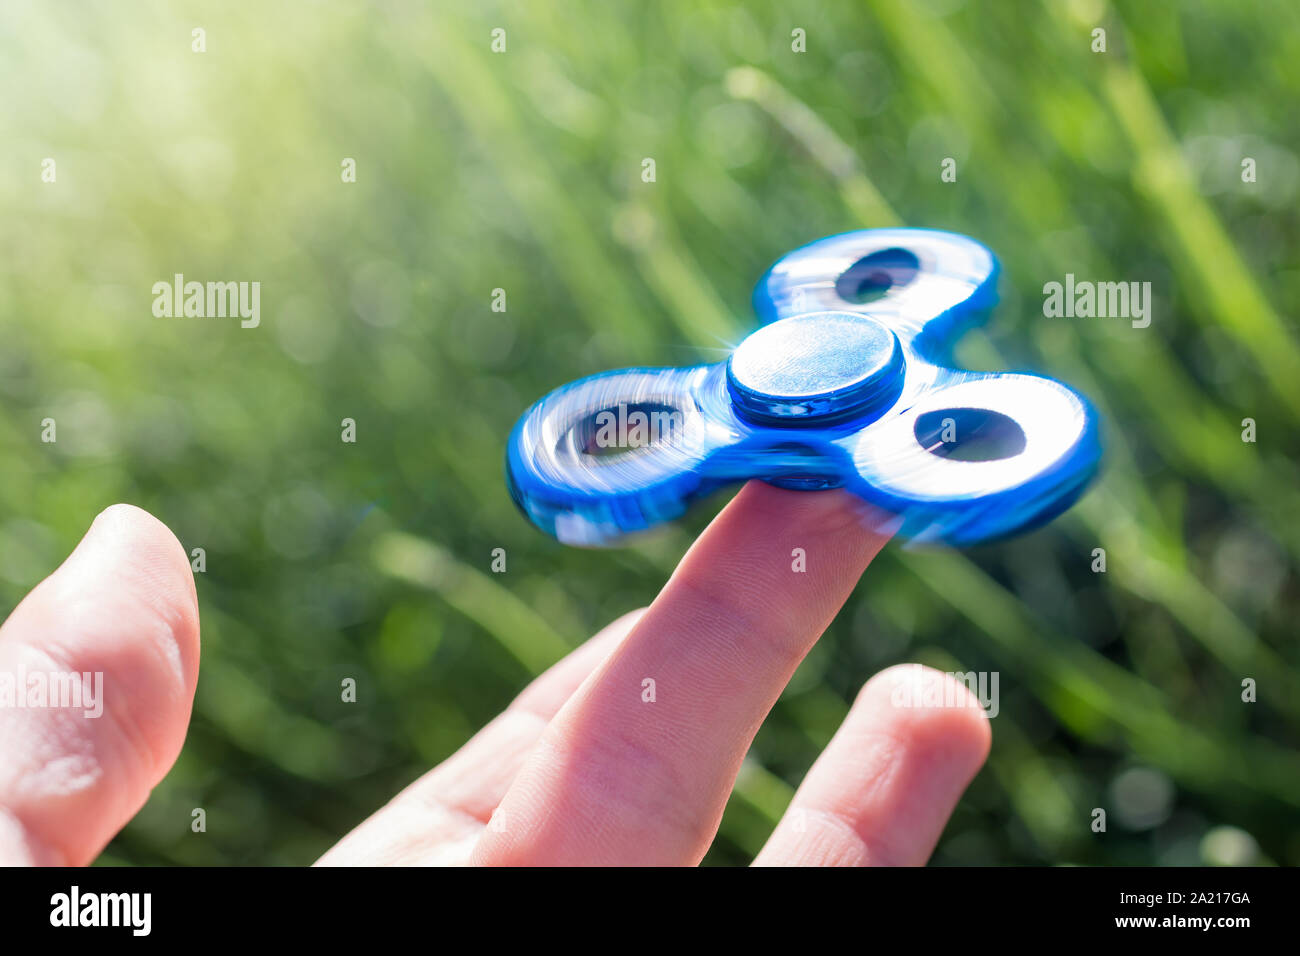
[816, 368]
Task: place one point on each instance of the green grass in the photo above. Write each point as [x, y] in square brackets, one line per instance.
[522, 171]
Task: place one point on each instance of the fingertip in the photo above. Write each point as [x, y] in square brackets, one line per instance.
[150, 544]
[129, 551]
[816, 513]
[884, 788]
[934, 711]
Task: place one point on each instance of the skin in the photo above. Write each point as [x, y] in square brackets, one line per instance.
[578, 769]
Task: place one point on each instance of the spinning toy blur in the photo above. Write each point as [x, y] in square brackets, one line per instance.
[845, 384]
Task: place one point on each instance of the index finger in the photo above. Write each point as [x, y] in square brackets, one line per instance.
[638, 765]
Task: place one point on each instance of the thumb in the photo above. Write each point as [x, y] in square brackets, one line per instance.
[97, 673]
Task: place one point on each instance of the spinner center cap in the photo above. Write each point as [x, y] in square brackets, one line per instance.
[816, 368]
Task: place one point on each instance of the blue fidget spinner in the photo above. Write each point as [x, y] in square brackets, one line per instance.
[844, 385]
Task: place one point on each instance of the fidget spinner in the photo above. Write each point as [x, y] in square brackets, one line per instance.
[845, 384]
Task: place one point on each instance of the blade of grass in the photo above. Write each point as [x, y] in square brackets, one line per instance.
[514, 625]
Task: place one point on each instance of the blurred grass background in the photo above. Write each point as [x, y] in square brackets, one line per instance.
[521, 171]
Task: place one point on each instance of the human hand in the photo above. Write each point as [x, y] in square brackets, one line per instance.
[579, 769]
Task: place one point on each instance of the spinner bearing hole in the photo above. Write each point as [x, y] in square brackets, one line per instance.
[969, 434]
[871, 277]
[626, 428]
